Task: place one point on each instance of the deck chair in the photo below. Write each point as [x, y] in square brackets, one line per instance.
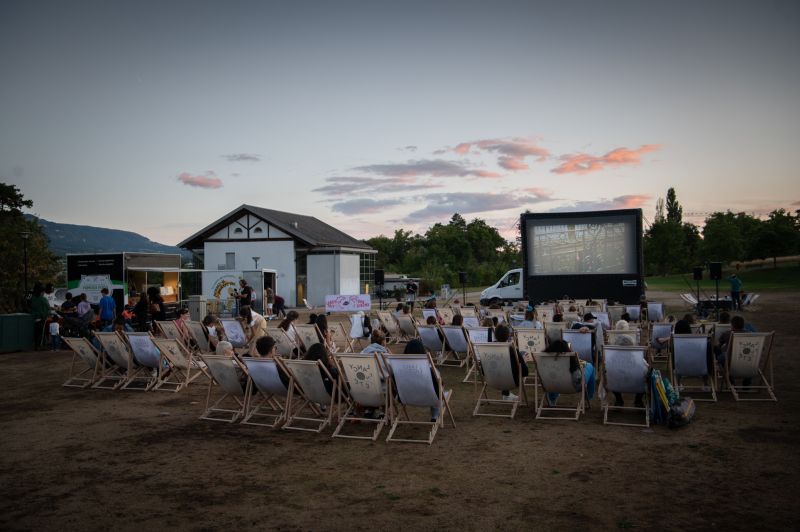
[284, 343]
[474, 335]
[529, 342]
[500, 314]
[306, 384]
[169, 330]
[265, 394]
[149, 362]
[118, 355]
[555, 377]
[447, 315]
[363, 378]
[181, 369]
[90, 359]
[603, 318]
[468, 311]
[552, 330]
[688, 359]
[496, 369]
[544, 312]
[198, 333]
[235, 333]
[389, 324]
[471, 321]
[690, 299]
[339, 334]
[659, 330]
[634, 311]
[719, 330]
[408, 329]
[307, 335]
[457, 346]
[697, 328]
[615, 313]
[428, 312]
[412, 380]
[356, 333]
[429, 334]
[625, 370]
[747, 354]
[613, 334]
[226, 375]
[581, 343]
[655, 311]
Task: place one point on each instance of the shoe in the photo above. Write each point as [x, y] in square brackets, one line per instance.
[510, 397]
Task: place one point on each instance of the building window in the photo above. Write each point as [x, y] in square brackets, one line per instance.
[230, 261]
[367, 273]
[258, 230]
[237, 231]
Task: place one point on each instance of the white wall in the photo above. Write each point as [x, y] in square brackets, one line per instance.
[278, 256]
[349, 274]
[332, 274]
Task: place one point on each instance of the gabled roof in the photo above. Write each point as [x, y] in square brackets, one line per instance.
[307, 229]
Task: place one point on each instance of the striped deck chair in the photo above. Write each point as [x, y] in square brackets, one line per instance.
[748, 356]
[390, 325]
[456, 346]
[362, 384]
[555, 377]
[412, 379]
[150, 363]
[118, 355]
[180, 370]
[625, 370]
[227, 374]
[306, 383]
[689, 359]
[90, 359]
[265, 393]
[498, 374]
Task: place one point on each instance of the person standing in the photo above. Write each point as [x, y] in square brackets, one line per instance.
[245, 295]
[40, 309]
[108, 308]
[736, 292]
[280, 306]
[269, 299]
[55, 334]
[411, 293]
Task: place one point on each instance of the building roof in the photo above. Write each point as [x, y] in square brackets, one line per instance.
[307, 229]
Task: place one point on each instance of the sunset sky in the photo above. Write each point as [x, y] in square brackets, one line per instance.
[161, 116]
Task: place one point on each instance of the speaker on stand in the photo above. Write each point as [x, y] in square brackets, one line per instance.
[697, 275]
[462, 278]
[715, 273]
[379, 280]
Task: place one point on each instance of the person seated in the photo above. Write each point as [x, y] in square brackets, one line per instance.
[319, 352]
[180, 323]
[588, 324]
[377, 343]
[738, 325]
[254, 324]
[531, 319]
[503, 334]
[215, 330]
[416, 347]
[398, 310]
[625, 340]
[267, 348]
[325, 335]
[458, 320]
[561, 346]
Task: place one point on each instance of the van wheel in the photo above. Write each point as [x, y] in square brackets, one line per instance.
[495, 301]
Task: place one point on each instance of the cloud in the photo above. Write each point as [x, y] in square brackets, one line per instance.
[430, 167]
[511, 152]
[446, 204]
[796, 204]
[631, 201]
[540, 193]
[410, 148]
[364, 205]
[344, 185]
[583, 163]
[207, 180]
[242, 157]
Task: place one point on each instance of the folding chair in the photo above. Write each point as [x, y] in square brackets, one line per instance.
[307, 335]
[226, 374]
[496, 368]
[615, 313]
[178, 373]
[471, 321]
[117, 354]
[456, 346]
[555, 377]
[198, 333]
[356, 330]
[697, 328]
[544, 312]
[306, 382]
[83, 350]
[285, 345]
[446, 314]
[339, 333]
[429, 334]
[408, 328]
[625, 370]
[427, 313]
[468, 311]
[655, 311]
[265, 393]
[169, 330]
[389, 324]
[412, 378]
[747, 354]
[148, 359]
[553, 329]
[235, 334]
[529, 342]
[689, 359]
[581, 343]
[363, 377]
[500, 314]
[634, 334]
[474, 335]
[604, 319]
[634, 311]
[719, 330]
[660, 330]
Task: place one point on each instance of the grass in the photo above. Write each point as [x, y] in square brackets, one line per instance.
[781, 278]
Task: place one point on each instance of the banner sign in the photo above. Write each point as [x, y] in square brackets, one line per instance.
[342, 303]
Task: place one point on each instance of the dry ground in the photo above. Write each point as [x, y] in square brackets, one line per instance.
[92, 459]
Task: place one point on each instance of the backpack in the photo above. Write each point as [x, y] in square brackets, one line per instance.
[681, 413]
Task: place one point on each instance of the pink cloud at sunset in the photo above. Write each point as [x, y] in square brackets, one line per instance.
[583, 163]
[511, 153]
[207, 180]
[430, 167]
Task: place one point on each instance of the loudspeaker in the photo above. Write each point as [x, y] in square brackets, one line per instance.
[462, 277]
[715, 271]
[697, 274]
[379, 277]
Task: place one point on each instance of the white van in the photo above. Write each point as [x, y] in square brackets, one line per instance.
[507, 289]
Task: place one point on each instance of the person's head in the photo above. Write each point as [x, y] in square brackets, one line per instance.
[183, 314]
[430, 320]
[266, 346]
[623, 339]
[689, 318]
[83, 297]
[737, 323]
[246, 313]
[557, 318]
[225, 348]
[210, 320]
[458, 320]
[588, 317]
[724, 317]
[312, 318]
[322, 322]
[406, 309]
[119, 323]
[495, 321]
[487, 322]
[104, 291]
[290, 317]
[399, 307]
[153, 291]
[317, 352]
[682, 327]
[242, 283]
[557, 346]
[572, 308]
[502, 333]
[414, 347]
[377, 337]
[622, 325]
[68, 296]
[625, 316]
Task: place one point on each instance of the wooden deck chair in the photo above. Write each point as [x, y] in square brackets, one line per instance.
[603, 318]
[412, 380]
[285, 345]
[471, 321]
[85, 356]
[305, 383]
[118, 355]
[719, 330]
[594, 309]
[497, 372]
[356, 333]
[390, 325]
[307, 335]
[468, 311]
[456, 347]
[634, 311]
[529, 342]
[697, 328]
[169, 330]
[429, 334]
[553, 330]
[265, 393]
[747, 354]
[235, 334]
[198, 333]
[149, 362]
[340, 336]
[581, 343]
[181, 369]
[544, 312]
[474, 335]
[408, 329]
[363, 378]
[226, 375]
[500, 314]
[634, 334]
[659, 330]
[447, 315]
[689, 359]
[655, 311]
[428, 312]
[555, 377]
[625, 370]
[615, 313]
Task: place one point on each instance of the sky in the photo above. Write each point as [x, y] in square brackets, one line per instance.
[159, 117]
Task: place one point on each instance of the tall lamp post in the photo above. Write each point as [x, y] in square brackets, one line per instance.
[25, 235]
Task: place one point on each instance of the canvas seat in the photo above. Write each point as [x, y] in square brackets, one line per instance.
[625, 370]
[226, 378]
[199, 334]
[340, 336]
[529, 342]
[634, 311]
[169, 329]
[498, 374]
[117, 355]
[408, 329]
[748, 356]
[236, 335]
[390, 325]
[553, 330]
[555, 377]
[362, 384]
[446, 314]
[411, 378]
[306, 384]
[429, 334]
[149, 362]
[456, 347]
[660, 330]
[581, 343]
[544, 312]
[307, 335]
[689, 359]
[615, 313]
[181, 369]
[91, 362]
[474, 335]
[614, 334]
[655, 311]
[265, 393]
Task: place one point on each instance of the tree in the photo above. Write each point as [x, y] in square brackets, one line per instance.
[674, 209]
[669, 245]
[722, 239]
[777, 236]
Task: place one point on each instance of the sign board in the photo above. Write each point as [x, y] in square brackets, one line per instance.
[88, 274]
[220, 285]
[344, 303]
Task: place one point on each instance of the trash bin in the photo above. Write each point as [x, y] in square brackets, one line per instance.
[197, 307]
[16, 332]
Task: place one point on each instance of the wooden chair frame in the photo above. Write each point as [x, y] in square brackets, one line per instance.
[358, 372]
[607, 407]
[740, 345]
[295, 409]
[88, 356]
[494, 356]
[264, 406]
[552, 381]
[225, 375]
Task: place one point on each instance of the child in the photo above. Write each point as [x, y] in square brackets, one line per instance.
[55, 335]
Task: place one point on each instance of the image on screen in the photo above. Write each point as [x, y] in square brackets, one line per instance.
[582, 245]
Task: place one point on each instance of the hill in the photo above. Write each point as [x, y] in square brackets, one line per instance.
[70, 238]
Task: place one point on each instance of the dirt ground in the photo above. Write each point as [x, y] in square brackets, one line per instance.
[94, 459]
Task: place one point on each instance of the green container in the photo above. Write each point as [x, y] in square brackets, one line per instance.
[16, 332]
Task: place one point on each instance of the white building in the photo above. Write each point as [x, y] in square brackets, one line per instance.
[300, 256]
